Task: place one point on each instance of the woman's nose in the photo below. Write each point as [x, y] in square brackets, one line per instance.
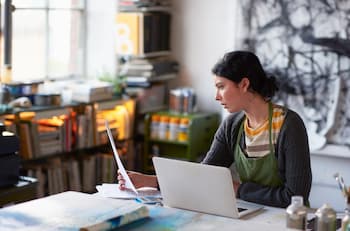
[217, 96]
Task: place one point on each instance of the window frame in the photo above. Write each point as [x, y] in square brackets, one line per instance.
[8, 26]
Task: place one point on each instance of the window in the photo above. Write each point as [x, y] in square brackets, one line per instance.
[48, 39]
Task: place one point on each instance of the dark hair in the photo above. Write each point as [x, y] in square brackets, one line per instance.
[237, 65]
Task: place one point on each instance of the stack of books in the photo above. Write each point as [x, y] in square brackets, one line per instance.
[142, 72]
[136, 5]
[91, 90]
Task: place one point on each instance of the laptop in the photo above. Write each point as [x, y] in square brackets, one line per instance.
[200, 187]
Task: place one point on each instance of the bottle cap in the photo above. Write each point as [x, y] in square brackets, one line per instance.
[326, 212]
[174, 120]
[297, 200]
[155, 117]
[184, 121]
[164, 119]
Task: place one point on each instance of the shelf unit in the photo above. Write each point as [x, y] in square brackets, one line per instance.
[80, 156]
[201, 130]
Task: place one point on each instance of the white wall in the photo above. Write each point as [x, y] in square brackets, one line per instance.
[101, 37]
[202, 31]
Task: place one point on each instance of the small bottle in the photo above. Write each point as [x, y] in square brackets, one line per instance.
[345, 222]
[155, 126]
[173, 128]
[325, 219]
[296, 214]
[183, 130]
[163, 127]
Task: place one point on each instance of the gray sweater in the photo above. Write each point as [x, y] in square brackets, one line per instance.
[292, 153]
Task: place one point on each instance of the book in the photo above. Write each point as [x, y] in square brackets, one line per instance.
[26, 148]
[128, 33]
[139, 34]
[142, 79]
[126, 218]
[158, 65]
[71, 211]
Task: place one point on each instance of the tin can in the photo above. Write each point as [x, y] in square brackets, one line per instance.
[155, 120]
[325, 219]
[176, 101]
[189, 100]
[296, 214]
[183, 131]
[163, 128]
[173, 128]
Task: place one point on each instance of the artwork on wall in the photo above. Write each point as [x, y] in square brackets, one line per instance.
[306, 46]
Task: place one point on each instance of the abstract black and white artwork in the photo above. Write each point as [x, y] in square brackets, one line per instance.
[305, 44]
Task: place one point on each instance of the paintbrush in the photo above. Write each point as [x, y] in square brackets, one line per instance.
[341, 185]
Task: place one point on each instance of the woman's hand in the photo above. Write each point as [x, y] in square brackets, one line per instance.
[138, 179]
[236, 186]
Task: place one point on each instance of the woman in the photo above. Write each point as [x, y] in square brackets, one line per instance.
[267, 143]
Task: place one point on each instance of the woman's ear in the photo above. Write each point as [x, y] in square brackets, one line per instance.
[244, 84]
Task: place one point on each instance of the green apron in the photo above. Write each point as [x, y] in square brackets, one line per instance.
[261, 170]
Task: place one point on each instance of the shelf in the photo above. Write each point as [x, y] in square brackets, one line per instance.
[146, 9]
[66, 147]
[332, 150]
[170, 142]
[201, 130]
[24, 190]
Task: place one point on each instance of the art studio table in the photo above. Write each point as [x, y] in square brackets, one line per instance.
[71, 210]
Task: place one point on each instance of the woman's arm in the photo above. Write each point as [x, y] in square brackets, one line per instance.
[221, 150]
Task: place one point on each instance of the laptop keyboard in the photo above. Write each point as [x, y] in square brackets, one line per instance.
[241, 209]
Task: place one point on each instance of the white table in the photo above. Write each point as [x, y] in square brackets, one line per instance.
[268, 219]
[70, 210]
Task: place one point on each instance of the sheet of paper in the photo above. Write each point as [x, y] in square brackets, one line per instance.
[128, 183]
[113, 191]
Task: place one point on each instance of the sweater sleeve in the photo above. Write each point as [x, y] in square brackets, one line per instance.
[293, 155]
[221, 149]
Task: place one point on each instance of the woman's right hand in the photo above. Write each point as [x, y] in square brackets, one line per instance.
[236, 186]
[138, 179]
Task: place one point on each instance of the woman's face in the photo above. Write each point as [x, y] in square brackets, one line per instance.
[229, 94]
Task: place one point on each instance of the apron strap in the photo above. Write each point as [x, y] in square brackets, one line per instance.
[272, 148]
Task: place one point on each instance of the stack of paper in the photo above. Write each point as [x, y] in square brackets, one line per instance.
[92, 90]
[113, 191]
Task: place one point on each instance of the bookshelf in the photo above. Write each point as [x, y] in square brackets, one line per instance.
[143, 32]
[65, 147]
